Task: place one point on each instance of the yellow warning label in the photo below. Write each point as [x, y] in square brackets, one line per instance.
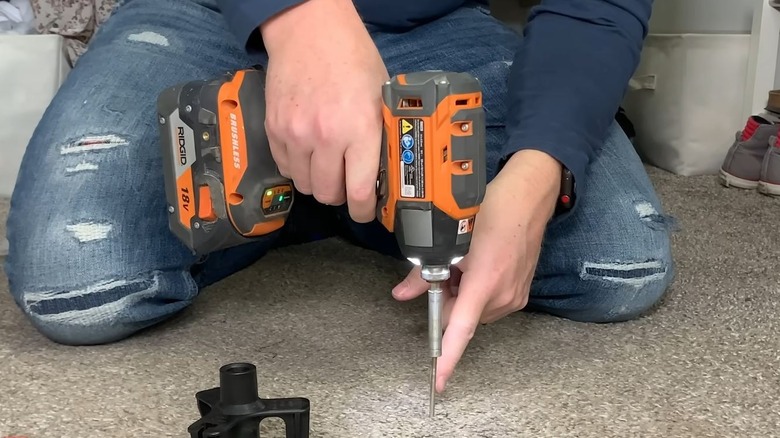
[405, 126]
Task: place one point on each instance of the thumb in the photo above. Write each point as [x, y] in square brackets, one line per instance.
[411, 287]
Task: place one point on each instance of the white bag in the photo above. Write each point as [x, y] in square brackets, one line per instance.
[686, 100]
[16, 17]
[31, 71]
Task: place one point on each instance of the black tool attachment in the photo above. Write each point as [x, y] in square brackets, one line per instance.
[234, 409]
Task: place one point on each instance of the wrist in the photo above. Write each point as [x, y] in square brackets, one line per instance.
[538, 176]
[306, 19]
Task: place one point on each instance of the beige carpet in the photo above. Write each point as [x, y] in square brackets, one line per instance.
[706, 364]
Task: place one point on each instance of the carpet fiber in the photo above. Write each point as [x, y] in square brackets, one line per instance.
[705, 364]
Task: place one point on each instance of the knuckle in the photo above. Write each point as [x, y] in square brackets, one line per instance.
[270, 123]
[298, 130]
[284, 170]
[519, 302]
[329, 198]
[301, 180]
[505, 300]
[461, 330]
[273, 128]
[524, 297]
[304, 189]
[328, 130]
[302, 183]
[361, 194]
[279, 156]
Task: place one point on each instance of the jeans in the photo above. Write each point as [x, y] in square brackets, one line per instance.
[92, 260]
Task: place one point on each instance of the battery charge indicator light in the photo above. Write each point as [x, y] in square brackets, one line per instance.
[281, 198]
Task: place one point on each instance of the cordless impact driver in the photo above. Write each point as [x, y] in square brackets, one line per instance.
[224, 189]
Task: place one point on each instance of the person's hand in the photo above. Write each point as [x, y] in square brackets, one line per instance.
[494, 278]
[324, 103]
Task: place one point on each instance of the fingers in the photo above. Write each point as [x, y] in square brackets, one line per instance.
[299, 164]
[456, 272]
[327, 177]
[278, 152]
[462, 323]
[362, 168]
[449, 303]
[505, 302]
[330, 173]
[411, 287]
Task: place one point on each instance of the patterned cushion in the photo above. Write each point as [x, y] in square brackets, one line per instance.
[74, 20]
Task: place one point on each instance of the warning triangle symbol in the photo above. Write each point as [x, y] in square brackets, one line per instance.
[405, 126]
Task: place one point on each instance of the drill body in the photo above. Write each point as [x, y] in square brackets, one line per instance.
[432, 175]
[223, 188]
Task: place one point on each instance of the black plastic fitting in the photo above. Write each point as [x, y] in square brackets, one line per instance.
[235, 410]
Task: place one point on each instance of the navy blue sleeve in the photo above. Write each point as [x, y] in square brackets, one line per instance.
[243, 18]
[570, 74]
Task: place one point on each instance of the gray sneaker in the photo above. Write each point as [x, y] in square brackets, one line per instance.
[769, 181]
[742, 166]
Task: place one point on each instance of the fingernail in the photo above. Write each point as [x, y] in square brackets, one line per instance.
[400, 290]
[443, 385]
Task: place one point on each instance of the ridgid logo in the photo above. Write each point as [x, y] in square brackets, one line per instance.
[182, 146]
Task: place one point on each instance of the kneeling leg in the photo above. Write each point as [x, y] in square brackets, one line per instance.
[611, 259]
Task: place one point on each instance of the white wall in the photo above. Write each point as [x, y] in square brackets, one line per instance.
[702, 16]
[669, 16]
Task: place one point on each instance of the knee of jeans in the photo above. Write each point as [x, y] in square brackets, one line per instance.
[104, 311]
[627, 289]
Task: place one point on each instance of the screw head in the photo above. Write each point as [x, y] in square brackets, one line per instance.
[464, 127]
[206, 136]
[170, 209]
[464, 166]
[188, 108]
[196, 225]
[162, 120]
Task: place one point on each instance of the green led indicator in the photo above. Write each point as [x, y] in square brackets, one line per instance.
[269, 193]
[281, 198]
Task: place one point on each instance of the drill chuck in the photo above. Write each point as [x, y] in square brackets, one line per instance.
[435, 310]
[435, 275]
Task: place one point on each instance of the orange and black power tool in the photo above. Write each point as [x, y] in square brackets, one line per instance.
[224, 189]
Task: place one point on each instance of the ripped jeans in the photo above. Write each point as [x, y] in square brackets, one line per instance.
[92, 260]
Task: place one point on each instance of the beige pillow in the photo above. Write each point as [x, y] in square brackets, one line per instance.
[74, 20]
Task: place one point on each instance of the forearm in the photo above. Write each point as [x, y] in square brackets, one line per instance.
[244, 17]
[322, 19]
[260, 25]
[570, 75]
